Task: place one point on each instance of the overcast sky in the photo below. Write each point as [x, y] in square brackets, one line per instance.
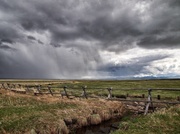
[98, 39]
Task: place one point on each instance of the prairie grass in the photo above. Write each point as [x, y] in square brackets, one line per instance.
[19, 114]
[123, 87]
[164, 121]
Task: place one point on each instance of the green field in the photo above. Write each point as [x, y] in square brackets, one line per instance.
[98, 87]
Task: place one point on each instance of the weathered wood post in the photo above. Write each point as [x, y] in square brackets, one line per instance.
[27, 88]
[143, 95]
[8, 86]
[64, 93]
[19, 86]
[110, 92]
[14, 86]
[84, 94]
[5, 86]
[178, 98]
[39, 88]
[50, 91]
[1, 86]
[149, 102]
[127, 95]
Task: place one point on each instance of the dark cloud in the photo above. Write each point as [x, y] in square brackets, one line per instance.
[31, 37]
[160, 42]
[40, 42]
[8, 32]
[114, 23]
[82, 29]
[5, 47]
[43, 63]
[55, 45]
[135, 67]
[7, 41]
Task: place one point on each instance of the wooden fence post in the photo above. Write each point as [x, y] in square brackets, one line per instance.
[65, 92]
[8, 86]
[1, 86]
[143, 95]
[14, 86]
[158, 97]
[178, 98]
[5, 86]
[49, 88]
[19, 85]
[84, 94]
[149, 102]
[110, 92]
[127, 95]
[39, 88]
[27, 88]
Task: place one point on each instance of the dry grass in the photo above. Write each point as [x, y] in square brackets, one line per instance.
[164, 121]
[23, 113]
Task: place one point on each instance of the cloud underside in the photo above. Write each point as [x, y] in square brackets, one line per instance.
[64, 39]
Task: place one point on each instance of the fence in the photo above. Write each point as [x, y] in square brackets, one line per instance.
[48, 89]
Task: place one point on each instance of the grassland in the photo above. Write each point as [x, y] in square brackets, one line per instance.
[164, 121]
[19, 113]
[98, 87]
[25, 113]
[44, 114]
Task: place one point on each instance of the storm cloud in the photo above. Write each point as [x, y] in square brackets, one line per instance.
[65, 39]
[132, 68]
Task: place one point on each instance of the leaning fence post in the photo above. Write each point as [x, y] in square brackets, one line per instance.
[84, 94]
[143, 95]
[39, 88]
[110, 92]
[65, 92]
[149, 102]
[14, 86]
[158, 97]
[8, 86]
[2, 86]
[27, 88]
[49, 88]
[178, 98]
